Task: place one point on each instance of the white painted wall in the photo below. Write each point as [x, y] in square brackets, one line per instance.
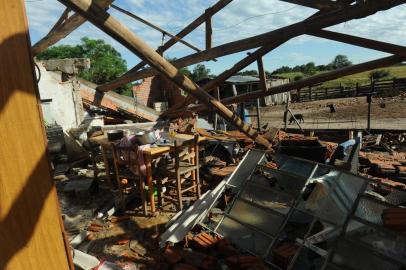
[62, 108]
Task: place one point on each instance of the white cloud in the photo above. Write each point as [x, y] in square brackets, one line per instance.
[240, 19]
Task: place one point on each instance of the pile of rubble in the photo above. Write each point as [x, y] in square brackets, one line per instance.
[203, 250]
[383, 157]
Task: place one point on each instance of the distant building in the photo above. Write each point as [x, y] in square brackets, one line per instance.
[159, 93]
[238, 85]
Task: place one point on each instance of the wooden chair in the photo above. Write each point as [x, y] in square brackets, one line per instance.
[126, 166]
[185, 170]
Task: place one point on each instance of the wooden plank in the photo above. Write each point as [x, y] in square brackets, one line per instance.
[261, 73]
[362, 42]
[185, 31]
[322, 77]
[316, 4]
[31, 234]
[142, 20]
[115, 29]
[209, 31]
[319, 78]
[72, 23]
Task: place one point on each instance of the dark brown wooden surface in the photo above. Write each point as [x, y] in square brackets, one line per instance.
[30, 225]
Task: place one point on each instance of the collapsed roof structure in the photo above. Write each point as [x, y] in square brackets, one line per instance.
[330, 13]
[28, 188]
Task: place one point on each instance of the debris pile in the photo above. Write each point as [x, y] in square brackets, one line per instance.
[202, 250]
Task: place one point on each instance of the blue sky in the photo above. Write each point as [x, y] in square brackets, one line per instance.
[232, 23]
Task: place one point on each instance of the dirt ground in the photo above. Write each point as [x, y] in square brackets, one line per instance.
[351, 113]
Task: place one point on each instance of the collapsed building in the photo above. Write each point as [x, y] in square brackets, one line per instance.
[178, 176]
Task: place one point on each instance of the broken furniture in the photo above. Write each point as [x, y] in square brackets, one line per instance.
[155, 152]
[185, 170]
[149, 155]
[127, 168]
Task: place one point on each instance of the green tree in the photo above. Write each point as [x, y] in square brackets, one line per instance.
[106, 63]
[248, 73]
[378, 74]
[340, 61]
[298, 78]
[199, 72]
[309, 68]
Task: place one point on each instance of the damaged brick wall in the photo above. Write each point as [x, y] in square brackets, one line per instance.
[157, 89]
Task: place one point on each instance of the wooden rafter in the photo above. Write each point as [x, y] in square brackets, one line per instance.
[163, 31]
[185, 31]
[316, 79]
[311, 24]
[361, 42]
[318, 20]
[316, 4]
[63, 30]
[115, 29]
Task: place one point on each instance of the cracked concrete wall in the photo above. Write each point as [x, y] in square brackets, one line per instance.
[66, 107]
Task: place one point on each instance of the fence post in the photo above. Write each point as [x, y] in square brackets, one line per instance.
[299, 99]
[310, 93]
[369, 100]
[356, 89]
[285, 116]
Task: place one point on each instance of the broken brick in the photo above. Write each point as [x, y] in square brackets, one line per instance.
[204, 240]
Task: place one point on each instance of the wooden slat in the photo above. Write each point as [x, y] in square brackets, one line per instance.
[30, 225]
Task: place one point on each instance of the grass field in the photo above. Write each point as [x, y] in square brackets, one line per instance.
[363, 77]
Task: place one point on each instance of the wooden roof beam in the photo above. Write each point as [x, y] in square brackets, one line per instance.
[124, 79]
[316, 4]
[63, 30]
[314, 23]
[316, 79]
[142, 20]
[119, 32]
[361, 42]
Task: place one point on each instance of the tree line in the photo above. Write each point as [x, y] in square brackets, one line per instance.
[107, 64]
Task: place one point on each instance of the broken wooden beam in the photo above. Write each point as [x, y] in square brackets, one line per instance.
[185, 31]
[316, 4]
[285, 33]
[319, 78]
[209, 31]
[361, 42]
[261, 73]
[317, 20]
[63, 30]
[115, 29]
[142, 20]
